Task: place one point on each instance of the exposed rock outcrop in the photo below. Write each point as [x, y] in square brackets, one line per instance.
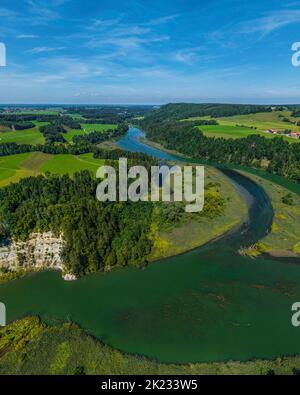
[41, 250]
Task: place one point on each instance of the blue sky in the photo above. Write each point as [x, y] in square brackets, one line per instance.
[138, 51]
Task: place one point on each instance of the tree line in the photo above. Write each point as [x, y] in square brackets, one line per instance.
[80, 144]
[110, 114]
[177, 111]
[276, 155]
[21, 125]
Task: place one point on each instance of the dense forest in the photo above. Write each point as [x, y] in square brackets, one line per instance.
[275, 155]
[53, 132]
[21, 125]
[176, 111]
[296, 113]
[98, 235]
[111, 115]
[23, 117]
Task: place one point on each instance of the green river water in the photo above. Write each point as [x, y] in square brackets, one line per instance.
[209, 304]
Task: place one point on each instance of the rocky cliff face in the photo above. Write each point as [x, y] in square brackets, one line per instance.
[41, 250]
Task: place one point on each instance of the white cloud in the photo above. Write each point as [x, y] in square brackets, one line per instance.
[116, 40]
[38, 50]
[125, 43]
[271, 22]
[162, 20]
[116, 22]
[188, 55]
[121, 39]
[103, 23]
[185, 56]
[6, 13]
[25, 36]
[41, 13]
[131, 31]
[68, 68]
[192, 55]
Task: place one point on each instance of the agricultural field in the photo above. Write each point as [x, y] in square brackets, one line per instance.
[90, 127]
[62, 164]
[75, 116]
[12, 168]
[230, 127]
[86, 129]
[227, 131]
[15, 167]
[27, 136]
[34, 136]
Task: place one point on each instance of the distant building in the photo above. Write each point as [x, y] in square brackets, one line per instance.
[295, 135]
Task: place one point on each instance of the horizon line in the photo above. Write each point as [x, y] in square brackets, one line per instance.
[149, 104]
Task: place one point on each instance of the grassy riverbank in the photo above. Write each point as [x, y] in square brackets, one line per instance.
[30, 347]
[195, 230]
[284, 237]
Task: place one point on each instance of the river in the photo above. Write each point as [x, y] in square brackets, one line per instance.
[209, 304]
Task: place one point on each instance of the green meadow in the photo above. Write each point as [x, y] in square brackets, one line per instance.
[27, 136]
[62, 164]
[86, 129]
[230, 127]
[227, 131]
[90, 127]
[15, 167]
[34, 136]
